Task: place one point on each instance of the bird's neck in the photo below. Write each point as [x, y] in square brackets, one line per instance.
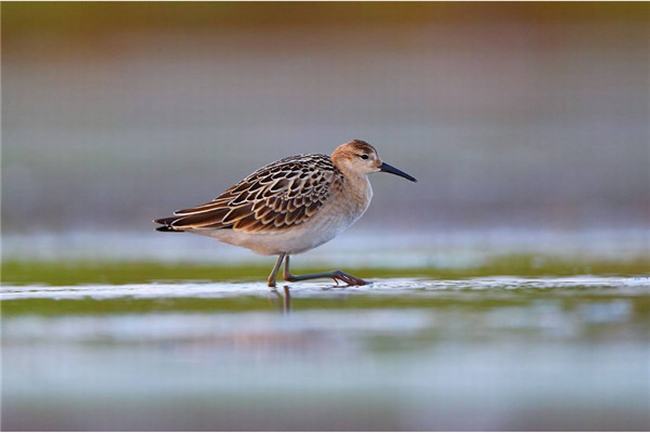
[359, 188]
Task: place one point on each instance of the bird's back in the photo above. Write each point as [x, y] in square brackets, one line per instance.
[276, 197]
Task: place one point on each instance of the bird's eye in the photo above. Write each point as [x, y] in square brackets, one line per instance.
[363, 156]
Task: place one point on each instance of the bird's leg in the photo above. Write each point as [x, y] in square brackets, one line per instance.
[335, 275]
[271, 279]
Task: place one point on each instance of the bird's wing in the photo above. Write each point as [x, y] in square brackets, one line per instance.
[282, 194]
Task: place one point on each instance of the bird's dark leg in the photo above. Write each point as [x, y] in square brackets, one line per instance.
[271, 279]
[335, 275]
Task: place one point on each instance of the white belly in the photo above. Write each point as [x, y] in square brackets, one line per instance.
[332, 219]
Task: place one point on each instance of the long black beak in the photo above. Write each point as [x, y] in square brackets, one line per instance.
[387, 168]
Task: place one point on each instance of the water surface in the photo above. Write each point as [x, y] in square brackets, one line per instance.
[489, 353]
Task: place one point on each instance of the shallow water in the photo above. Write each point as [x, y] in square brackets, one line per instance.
[488, 353]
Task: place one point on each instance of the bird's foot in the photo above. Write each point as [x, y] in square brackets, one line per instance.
[350, 280]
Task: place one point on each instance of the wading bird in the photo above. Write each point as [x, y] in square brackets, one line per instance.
[290, 206]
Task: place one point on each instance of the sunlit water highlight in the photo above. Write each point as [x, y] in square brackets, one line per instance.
[378, 287]
[489, 353]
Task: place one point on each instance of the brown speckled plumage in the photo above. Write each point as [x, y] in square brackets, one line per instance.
[277, 196]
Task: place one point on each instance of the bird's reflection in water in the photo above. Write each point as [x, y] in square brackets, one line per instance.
[283, 300]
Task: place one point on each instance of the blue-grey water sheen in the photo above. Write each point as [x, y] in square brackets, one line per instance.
[509, 353]
[362, 245]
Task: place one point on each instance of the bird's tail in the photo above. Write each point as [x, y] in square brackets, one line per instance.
[166, 225]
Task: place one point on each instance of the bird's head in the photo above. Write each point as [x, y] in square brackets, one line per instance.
[359, 157]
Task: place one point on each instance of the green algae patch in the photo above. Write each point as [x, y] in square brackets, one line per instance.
[451, 300]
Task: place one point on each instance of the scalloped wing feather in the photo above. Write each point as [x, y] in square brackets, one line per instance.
[283, 194]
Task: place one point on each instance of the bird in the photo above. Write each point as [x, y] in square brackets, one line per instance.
[290, 206]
